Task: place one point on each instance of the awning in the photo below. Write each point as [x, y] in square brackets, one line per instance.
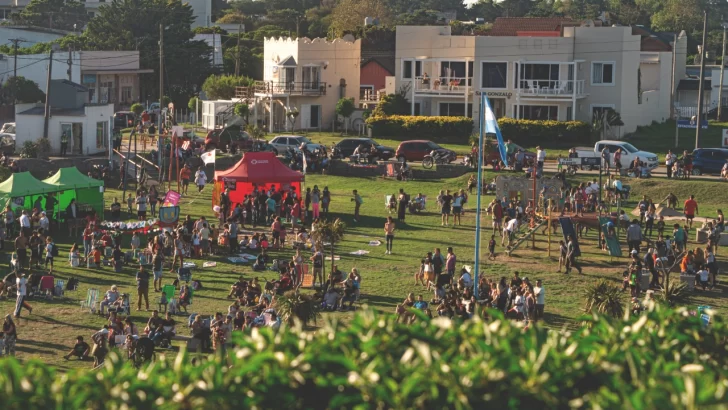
[288, 62]
[688, 84]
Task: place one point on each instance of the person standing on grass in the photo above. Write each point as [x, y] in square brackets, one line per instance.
[389, 234]
[634, 235]
[153, 199]
[402, 202]
[21, 249]
[142, 279]
[450, 262]
[496, 210]
[49, 253]
[325, 201]
[307, 201]
[315, 202]
[10, 335]
[670, 160]
[690, 208]
[457, 208]
[649, 264]
[178, 249]
[571, 256]
[141, 203]
[21, 284]
[491, 248]
[446, 207]
[357, 204]
[157, 263]
[540, 294]
[184, 176]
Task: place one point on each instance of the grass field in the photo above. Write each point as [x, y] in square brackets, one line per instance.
[50, 330]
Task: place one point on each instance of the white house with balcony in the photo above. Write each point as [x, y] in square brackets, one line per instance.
[574, 73]
[307, 76]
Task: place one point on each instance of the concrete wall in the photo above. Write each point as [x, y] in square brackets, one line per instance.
[109, 60]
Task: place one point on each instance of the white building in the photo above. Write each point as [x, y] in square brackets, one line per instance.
[686, 102]
[215, 43]
[29, 35]
[552, 72]
[87, 124]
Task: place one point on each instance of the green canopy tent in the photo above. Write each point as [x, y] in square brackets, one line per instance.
[22, 190]
[72, 184]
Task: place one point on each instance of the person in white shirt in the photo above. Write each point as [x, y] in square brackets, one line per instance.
[509, 229]
[25, 224]
[540, 156]
[465, 281]
[21, 283]
[540, 293]
[110, 298]
[704, 276]
[670, 160]
[724, 171]
[44, 222]
[200, 179]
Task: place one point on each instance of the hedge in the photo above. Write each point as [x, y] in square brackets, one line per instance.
[661, 359]
[446, 129]
[531, 132]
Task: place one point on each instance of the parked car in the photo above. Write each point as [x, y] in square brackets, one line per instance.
[124, 119]
[347, 146]
[493, 154]
[629, 152]
[415, 150]
[8, 128]
[232, 137]
[7, 143]
[282, 142]
[709, 160]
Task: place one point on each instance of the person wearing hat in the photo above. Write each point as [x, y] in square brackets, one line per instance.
[21, 285]
[112, 295]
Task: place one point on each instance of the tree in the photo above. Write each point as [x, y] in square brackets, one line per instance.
[242, 111]
[348, 15]
[21, 90]
[235, 17]
[134, 25]
[345, 107]
[676, 15]
[331, 232]
[392, 104]
[58, 14]
[137, 109]
[222, 87]
[292, 114]
[604, 298]
[192, 103]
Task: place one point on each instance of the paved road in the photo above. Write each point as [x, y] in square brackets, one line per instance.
[661, 172]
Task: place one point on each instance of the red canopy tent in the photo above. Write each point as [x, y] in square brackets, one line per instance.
[255, 168]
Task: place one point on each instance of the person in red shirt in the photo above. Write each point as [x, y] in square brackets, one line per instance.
[108, 242]
[690, 208]
[184, 176]
[88, 238]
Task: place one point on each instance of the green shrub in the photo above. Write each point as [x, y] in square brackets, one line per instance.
[446, 129]
[29, 150]
[531, 132]
[662, 359]
[137, 109]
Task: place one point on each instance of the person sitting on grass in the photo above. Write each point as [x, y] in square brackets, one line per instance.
[703, 277]
[80, 350]
[402, 309]
[237, 289]
[185, 297]
[101, 350]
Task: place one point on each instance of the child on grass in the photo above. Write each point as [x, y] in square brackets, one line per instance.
[491, 248]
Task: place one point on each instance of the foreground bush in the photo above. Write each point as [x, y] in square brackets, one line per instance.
[660, 360]
[530, 132]
[455, 130]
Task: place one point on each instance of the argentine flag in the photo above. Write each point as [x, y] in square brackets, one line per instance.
[491, 127]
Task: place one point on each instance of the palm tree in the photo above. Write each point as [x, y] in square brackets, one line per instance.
[328, 231]
[604, 298]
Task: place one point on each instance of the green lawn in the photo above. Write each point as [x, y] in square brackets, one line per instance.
[387, 279]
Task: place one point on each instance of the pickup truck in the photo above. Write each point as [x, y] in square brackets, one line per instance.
[629, 153]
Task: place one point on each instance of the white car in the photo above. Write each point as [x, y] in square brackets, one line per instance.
[8, 129]
[282, 142]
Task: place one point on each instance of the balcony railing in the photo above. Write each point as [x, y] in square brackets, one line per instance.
[551, 88]
[371, 96]
[313, 88]
[442, 85]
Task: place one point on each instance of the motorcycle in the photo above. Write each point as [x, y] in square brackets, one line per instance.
[434, 159]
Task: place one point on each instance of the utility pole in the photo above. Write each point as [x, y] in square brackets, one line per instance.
[70, 62]
[161, 93]
[699, 122]
[673, 108]
[722, 69]
[47, 113]
[237, 60]
[15, 49]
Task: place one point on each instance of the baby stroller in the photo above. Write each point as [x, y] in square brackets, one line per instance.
[142, 351]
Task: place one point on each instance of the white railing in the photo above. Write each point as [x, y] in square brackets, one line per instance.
[546, 88]
[442, 85]
[371, 96]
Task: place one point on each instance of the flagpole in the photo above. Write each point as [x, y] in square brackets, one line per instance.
[480, 191]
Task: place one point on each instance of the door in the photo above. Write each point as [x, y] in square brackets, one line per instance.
[499, 107]
[78, 136]
[315, 119]
[305, 116]
[68, 130]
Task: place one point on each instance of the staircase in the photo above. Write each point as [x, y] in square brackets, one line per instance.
[525, 234]
[138, 164]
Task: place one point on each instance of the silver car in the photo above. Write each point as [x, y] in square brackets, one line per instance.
[282, 142]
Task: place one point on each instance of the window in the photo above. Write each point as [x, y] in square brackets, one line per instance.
[598, 111]
[569, 115]
[366, 92]
[494, 75]
[101, 134]
[602, 73]
[125, 94]
[536, 75]
[455, 110]
[407, 69]
[311, 78]
[538, 112]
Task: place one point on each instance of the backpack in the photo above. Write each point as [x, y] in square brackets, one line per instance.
[72, 284]
[54, 249]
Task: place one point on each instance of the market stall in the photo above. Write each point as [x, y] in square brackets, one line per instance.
[255, 168]
[72, 184]
[22, 191]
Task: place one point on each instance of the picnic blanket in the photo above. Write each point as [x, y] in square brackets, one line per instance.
[209, 264]
[189, 265]
[235, 259]
[359, 252]
[336, 258]
[375, 243]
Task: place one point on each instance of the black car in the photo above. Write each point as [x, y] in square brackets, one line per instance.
[709, 160]
[124, 119]
[348, 145]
